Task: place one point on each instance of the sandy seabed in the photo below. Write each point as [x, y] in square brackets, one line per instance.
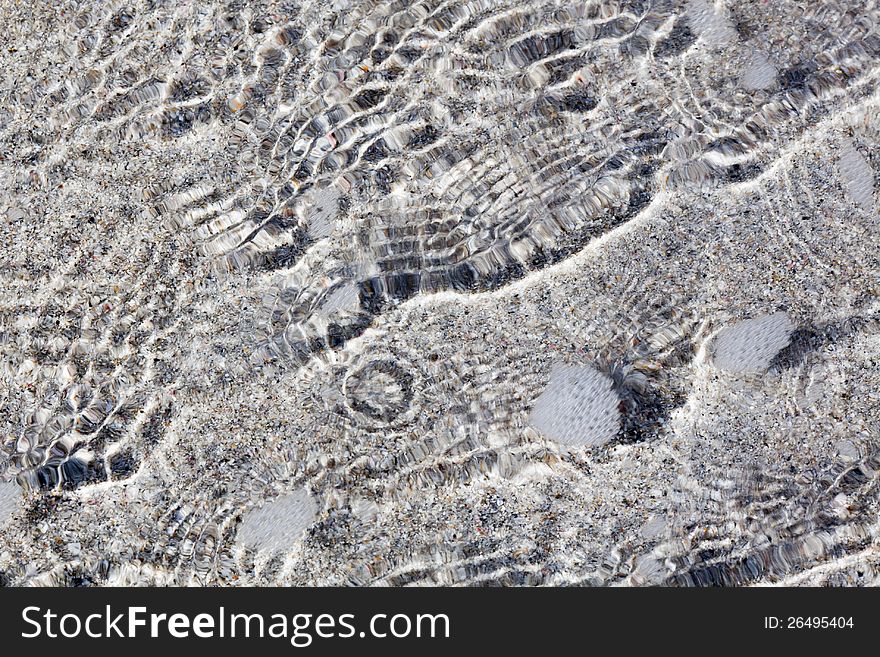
[443, 292]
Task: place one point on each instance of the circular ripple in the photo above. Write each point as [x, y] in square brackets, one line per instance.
[381, 392]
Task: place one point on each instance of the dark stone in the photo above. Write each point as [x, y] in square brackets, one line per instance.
[680, 39]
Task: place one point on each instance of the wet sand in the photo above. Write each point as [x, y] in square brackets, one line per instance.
[492, 293]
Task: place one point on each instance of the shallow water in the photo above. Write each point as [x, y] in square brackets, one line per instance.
[334, 253]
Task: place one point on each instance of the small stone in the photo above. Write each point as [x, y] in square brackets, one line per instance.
[275, 526]
[749, 346]
[578, 407]
[10, 495]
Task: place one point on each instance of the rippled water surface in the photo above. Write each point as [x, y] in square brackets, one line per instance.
[442, 292]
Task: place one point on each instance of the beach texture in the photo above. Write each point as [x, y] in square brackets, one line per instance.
[450, 292]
